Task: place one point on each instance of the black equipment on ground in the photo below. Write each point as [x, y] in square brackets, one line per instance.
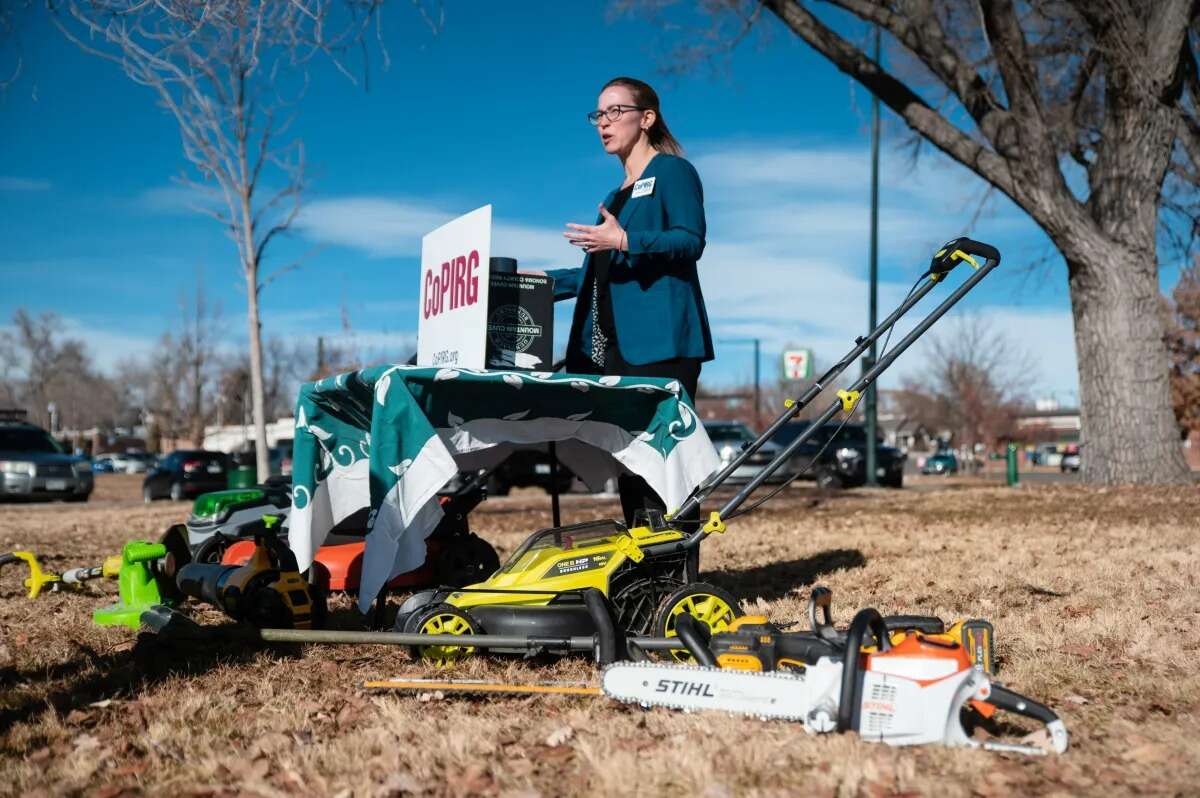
[267, 592]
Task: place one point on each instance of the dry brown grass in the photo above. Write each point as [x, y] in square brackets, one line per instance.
[1092, 592]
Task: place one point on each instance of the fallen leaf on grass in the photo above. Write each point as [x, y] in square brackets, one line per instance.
[474, 781]
[40, 755]
[115, 791]
[347, 716]
[551, 755]
[136, 769]
[1080, 651]
[86, 742]
[1075, 699]
[1148, 754]
[250, 772]
[560, 736]
[402, 784]
[524, 792]
[1038, 739]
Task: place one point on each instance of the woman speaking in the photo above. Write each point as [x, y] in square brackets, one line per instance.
[639, 311]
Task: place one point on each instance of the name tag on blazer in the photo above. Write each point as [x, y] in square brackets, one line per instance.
[643, 188]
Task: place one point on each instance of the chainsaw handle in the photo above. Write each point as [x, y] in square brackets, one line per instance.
[822, 598]
[926, 624]
[866, 620]
[1003, 698]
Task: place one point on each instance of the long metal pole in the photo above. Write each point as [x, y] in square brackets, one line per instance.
[757, 390]
[873, 306]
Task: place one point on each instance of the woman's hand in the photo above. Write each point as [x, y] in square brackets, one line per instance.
[597, 238]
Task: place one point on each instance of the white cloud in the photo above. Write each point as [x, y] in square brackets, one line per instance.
[106, 346]
[8, 183]
[388, 227]
[179, 198]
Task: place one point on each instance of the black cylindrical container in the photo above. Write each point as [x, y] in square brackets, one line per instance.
[503, 265]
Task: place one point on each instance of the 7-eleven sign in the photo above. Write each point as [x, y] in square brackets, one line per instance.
[798, 364]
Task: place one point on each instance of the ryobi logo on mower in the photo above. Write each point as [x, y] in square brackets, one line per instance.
[578, 564]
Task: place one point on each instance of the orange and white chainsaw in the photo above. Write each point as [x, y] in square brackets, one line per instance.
[910, 692]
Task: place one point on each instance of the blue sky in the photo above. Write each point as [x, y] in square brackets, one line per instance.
[491, 110]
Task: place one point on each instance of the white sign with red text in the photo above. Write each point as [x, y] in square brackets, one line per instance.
[798, 364]
[452, 328]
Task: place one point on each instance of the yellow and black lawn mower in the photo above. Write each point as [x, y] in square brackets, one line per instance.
[572, 582]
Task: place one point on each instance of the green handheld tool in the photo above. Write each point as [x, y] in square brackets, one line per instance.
[138, 587]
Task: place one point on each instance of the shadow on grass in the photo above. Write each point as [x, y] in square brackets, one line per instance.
[778, 579]
[123, 674]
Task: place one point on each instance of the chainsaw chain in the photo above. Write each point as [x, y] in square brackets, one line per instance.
[650, 703]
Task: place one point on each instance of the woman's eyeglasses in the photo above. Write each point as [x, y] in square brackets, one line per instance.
[612, 113]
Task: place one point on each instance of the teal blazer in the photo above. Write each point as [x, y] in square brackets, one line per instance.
[657, 306]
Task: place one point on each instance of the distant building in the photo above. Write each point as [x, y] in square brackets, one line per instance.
[231, 438]
[1057, 425]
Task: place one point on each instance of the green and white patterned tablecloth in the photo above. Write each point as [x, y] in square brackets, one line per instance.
[390, 437]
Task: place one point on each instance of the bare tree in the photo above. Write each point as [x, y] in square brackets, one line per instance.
[200, 323]
[42, 366]
[33, 350]
[222, 68]
[1025, 94]
[284, 367]
[974, 384]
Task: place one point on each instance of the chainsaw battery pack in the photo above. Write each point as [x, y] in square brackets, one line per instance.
[751, 643]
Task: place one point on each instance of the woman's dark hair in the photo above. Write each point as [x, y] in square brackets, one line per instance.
[646, 98]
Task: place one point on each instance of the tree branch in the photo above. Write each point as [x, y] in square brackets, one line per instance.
[925, 38]
[918, 114]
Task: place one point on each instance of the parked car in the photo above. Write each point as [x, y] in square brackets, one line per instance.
[186, 473]
[943, 461]
[133, 462]
[34, 466]
[729, 437]
[1070, 460]
[1048, 454]
[102, 465]
[842, 461]
[525, 468]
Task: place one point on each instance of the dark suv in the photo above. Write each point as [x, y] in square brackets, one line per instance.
[186, 473]
[525, 468]
[34, 466]
[843, 462]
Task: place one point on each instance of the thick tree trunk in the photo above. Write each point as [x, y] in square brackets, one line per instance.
[1129, 432]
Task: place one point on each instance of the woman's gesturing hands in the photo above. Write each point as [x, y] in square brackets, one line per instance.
[596, 238]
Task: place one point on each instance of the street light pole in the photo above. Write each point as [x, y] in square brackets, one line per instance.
[872, 406]
[757, 390]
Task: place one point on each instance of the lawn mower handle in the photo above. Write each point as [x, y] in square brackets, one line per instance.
[944, 260]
